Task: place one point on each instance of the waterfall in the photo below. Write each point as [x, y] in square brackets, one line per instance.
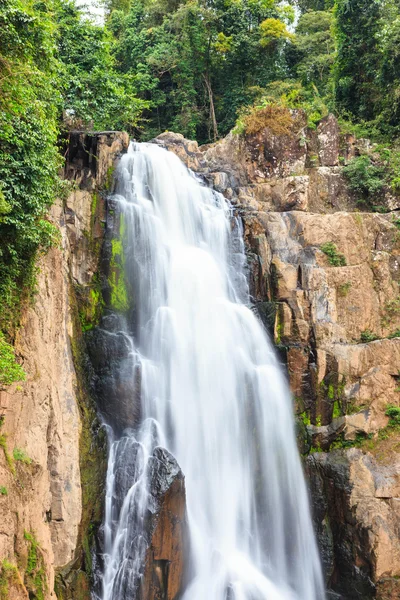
[212, 394]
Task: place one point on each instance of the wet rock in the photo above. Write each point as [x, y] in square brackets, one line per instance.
[167, 552]
[293, 199]
[162, 550]
[90, 161]
[291, 193]
[128, 468]
[388, 589]
[116, 380]
[186, 150]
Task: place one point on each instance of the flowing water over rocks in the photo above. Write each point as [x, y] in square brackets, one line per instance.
[214, 406]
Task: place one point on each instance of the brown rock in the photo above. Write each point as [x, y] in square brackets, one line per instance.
[357, 498]
[167, 552]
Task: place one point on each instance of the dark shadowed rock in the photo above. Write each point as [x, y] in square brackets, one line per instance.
[356, 511]
[116, 380]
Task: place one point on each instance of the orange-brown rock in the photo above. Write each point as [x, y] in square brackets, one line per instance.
[166, 555]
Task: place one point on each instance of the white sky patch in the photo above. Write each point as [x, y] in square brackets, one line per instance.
[92, 9]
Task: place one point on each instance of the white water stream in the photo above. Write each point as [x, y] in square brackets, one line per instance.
[212, 393]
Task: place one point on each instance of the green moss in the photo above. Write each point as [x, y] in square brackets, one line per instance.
[335, 258]
[305, 417]
[8, 457]
[122, 226]
[73, 581]
[353, 409]
[10, 370]
[331, 392]
[93, 208]
[392, 310]
[358, 442]
[21, 456]
[91, 306]
[337, 411]
[279, 326]
[109, 178]
[8, 575]
[3, 491]
[119, 294]
[35, 576]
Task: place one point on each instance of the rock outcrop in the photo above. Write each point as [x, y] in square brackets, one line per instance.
[325, 279]
[52, 455]
[166, 554]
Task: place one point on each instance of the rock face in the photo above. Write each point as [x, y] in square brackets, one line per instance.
[357, 508]
[48, 421]
[42, 420]
[325, 280]
[166, 553]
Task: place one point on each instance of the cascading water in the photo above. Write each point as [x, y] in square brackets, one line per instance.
[212, 393]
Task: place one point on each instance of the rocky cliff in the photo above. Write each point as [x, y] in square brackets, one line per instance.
[52, 459]
[325, 279]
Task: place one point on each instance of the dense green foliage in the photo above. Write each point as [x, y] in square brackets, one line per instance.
[29, 102]
[365, 178]
[367, 68]
[199, 62]
[94, 94]
[371, 174]
[315, 49]
[335, 258]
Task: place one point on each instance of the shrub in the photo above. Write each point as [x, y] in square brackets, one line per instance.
[10, 370]
[394, 413]
[368, 336]
[344, 289]
[8, 575]
[335, 258]
[275, 117]
[3, 491]
[395, 334]
[365, 178]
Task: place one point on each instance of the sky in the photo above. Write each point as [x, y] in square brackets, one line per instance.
[94, 7]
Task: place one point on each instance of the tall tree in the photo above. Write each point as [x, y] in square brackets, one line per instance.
[316, 48]
[359, 56]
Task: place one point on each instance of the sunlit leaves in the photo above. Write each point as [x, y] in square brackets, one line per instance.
[273, 30]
